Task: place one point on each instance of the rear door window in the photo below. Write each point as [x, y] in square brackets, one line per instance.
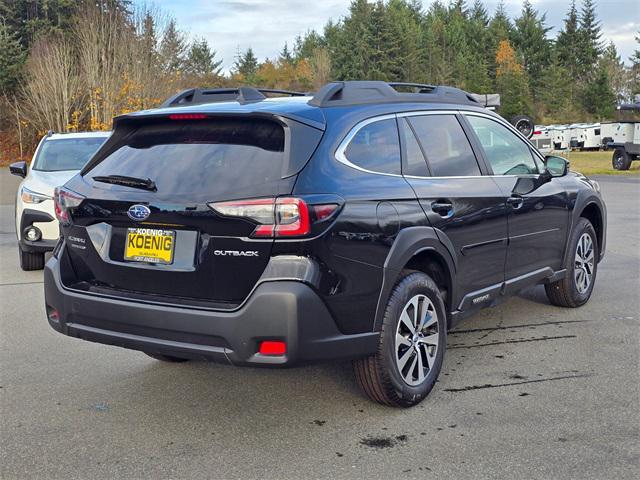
[376, 147]
[445, 145]
[191, 157]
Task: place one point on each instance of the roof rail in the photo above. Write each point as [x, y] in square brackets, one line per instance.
[243, 95]
[337, 94]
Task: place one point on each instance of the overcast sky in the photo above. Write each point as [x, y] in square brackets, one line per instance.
[265, 25]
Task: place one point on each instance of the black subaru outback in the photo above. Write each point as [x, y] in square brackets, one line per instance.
[362, 222]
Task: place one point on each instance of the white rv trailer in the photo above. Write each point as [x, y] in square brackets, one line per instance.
[576, 135]
[561, 137]
[541, 138]
[617, 132]
[591, 138]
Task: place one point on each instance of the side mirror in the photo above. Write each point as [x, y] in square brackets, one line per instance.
[19, 169]
[556, 166]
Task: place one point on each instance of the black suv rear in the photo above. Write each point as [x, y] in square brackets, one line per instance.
[362, 222]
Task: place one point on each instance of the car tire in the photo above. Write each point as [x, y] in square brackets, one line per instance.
[166, 358]
[621, 159]
[524, 124]
[395, 375]
[581, 266]
[31, 260]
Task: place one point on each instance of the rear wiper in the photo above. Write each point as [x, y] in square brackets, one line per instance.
[133, 182]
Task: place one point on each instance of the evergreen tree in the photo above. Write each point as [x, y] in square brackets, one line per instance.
[285, 55]
[568, 41]
[201, 59]
[617, 73]
[305, 46]
[635, 69]
[350, 43]
[403, 22]
[531, 42]
[598, 97]
[558, 96]
[173, 48]
[12, 57]
[590, 33]
[246, 65]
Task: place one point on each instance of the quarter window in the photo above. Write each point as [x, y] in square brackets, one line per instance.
[376, 147]
[507, 154]
[445, 145]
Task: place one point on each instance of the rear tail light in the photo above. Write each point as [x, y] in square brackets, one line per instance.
[276, 217]
[64, 200]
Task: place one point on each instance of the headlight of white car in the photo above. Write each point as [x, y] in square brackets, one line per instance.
[29, 196]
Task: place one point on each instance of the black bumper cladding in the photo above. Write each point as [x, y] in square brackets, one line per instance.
[285, 310]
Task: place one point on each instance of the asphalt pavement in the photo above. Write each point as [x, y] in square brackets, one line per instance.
[527, 390]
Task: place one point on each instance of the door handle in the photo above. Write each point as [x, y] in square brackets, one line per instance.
[442, 208]
[515, 201]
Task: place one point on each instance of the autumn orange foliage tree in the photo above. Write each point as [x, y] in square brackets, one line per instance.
[511, 82]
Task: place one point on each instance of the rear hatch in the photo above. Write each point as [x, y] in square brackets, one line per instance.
[145, 228]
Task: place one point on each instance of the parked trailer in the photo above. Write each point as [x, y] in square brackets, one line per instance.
[561, 137]
[616, 132]
[576, 136]
[627, 148]
[541, 138]
[626, 152]
[591, 138]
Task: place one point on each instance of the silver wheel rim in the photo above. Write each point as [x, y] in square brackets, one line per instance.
[584, 262]
[416, 344]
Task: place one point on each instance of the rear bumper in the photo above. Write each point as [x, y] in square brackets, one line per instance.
[286, 310]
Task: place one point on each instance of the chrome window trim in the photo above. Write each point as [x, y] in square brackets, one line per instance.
[340, 152]
[341, 157]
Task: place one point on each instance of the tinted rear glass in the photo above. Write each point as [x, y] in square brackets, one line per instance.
[448, 151]
[66, 154]
[212, 156]
[376, 147]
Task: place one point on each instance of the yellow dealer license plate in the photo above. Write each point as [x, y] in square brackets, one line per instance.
[149, 245]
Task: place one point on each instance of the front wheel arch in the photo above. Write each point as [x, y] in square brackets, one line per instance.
[593, 213]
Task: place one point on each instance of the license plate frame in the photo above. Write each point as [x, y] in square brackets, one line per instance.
[149, 251]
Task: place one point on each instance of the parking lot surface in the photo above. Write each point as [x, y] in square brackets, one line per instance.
[527, 390]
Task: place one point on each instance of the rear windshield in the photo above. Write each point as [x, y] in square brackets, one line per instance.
[66, 154]
[212, 156]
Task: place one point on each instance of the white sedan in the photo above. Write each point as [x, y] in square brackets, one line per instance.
[59, 157]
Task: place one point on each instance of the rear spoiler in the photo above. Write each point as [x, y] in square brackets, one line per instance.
[242, 95]
[300, 143]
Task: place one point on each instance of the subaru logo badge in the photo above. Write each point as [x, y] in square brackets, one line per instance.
[138, 212]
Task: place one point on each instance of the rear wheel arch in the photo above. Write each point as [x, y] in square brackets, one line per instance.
[432, 263]
[420, 249]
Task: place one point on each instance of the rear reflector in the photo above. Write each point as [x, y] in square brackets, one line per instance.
[322, 212]
[187, 116]
[272, 347]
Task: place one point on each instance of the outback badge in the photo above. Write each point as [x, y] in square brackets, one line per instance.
[138, 212]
